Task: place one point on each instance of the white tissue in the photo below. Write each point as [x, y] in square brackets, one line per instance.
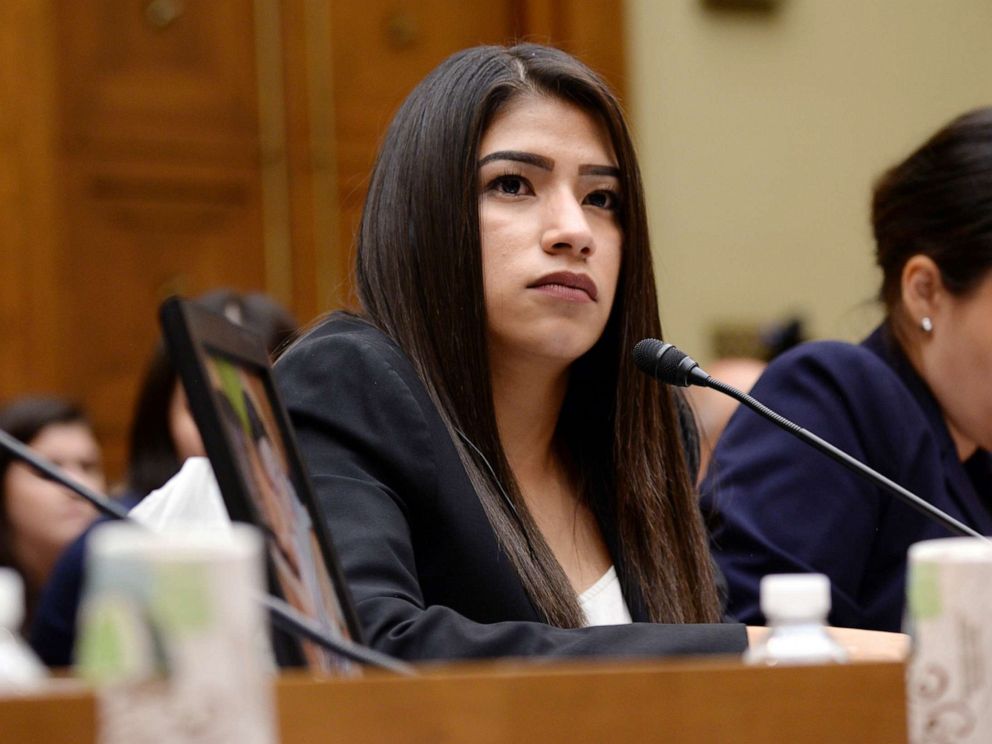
[190, 498]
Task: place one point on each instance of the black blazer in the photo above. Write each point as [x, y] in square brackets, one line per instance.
[782, 507]
[419, 555]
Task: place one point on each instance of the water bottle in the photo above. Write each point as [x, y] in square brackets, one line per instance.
[20, 669]
[795, 608]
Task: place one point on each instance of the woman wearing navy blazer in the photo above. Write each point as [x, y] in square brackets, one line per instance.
[495, 473]
[913, 400]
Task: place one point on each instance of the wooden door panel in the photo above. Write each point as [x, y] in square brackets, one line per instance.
[184, 89]
[160, 181]
[141, 233]
[29, 301]
[591, 29]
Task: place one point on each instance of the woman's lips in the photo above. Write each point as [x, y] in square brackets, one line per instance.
[567, 285]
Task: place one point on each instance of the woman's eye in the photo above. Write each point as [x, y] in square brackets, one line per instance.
[511, 185]
[603, 199]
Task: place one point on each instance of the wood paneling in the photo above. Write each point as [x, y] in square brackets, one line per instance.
[164, 146]
[317, 270]
[29, 301]
[134, 86]
[142, 232]
[594, 30]
[160, 180]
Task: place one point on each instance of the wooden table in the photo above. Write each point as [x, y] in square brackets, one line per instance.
[687, 701]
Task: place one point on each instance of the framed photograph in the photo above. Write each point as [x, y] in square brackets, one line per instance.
[227, 376]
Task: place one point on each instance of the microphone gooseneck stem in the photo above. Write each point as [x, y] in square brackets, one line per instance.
[284, 616]
[838, 455]
[48, 471]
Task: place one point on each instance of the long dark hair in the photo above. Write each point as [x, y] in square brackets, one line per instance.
[938, 203]
[24, 420]
[152, 458]
[419, 277]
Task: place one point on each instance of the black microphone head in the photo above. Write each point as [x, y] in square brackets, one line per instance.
[647, 355]
[667, 363]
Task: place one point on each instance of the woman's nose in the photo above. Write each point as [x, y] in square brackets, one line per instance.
[567, 227]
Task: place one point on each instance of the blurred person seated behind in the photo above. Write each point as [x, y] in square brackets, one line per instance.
[39, 518]
[712, 409]
[913, 401]
[163, 435]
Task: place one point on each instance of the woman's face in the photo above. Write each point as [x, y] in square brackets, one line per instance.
[957, 363]
[43, 516]
[551, 238]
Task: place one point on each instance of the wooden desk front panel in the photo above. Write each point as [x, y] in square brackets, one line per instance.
[675, 702]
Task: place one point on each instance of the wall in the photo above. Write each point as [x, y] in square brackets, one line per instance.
[761, 133]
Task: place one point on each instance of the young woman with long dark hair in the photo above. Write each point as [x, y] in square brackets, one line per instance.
[494, 470]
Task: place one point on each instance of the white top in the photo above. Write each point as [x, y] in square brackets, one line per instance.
[11, 600]
[603, 602]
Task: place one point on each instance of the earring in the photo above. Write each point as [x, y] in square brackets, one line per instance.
[926, 324]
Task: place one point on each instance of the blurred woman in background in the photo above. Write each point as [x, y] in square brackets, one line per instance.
[713, 409]
[39, 518]
[163, 433]
[913, 401]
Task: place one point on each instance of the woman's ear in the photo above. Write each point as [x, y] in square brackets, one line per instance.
[923, 291]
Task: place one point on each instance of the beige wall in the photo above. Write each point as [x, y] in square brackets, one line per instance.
[760, 135]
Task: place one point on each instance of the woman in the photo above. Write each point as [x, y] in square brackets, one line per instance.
[39, 518]
[913, 401]
[163, 433]
[495, 472]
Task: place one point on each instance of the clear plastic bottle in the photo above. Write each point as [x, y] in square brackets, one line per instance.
[20, 669]
[796, 607]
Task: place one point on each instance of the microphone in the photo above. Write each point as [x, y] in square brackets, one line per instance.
[667, 363]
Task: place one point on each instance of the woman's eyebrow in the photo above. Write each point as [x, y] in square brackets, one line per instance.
[599, 170]
[545, 163]
[528, 158]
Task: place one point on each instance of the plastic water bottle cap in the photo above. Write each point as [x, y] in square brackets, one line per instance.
[11, 599]
[795, 596]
